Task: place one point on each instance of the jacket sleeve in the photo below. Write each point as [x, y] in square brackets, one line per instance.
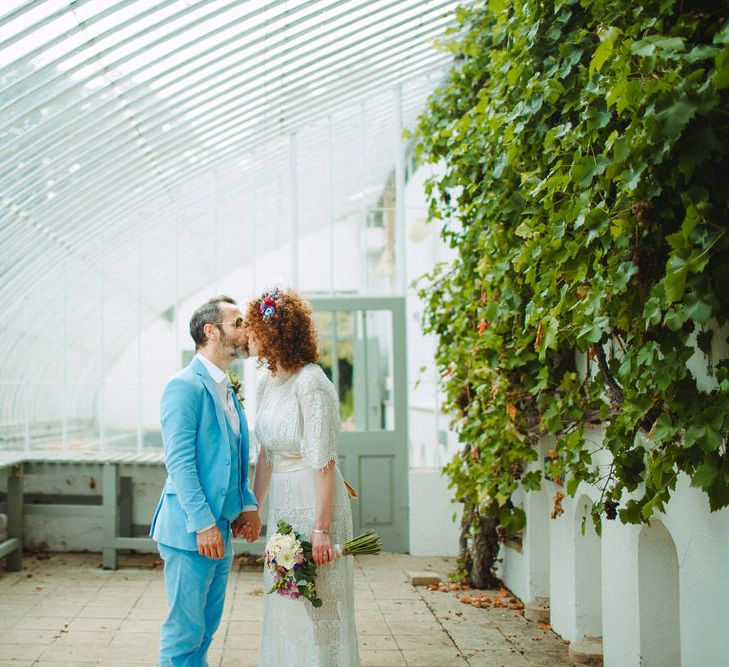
[250, 502]
[179, 418]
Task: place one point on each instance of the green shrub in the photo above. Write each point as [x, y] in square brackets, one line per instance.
[586, 189]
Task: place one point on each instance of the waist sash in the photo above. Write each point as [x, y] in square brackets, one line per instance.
[284, 462]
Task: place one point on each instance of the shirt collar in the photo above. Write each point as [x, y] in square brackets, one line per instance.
[217, 374]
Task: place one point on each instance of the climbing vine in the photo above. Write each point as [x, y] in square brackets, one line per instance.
[585, 189]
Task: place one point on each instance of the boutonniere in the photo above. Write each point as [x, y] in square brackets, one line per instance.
[237, 386]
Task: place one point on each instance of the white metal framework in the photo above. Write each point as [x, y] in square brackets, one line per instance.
[150, 147]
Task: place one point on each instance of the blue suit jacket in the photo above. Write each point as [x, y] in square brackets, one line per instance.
[197, 458]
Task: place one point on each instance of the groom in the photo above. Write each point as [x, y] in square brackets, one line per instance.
[206, 499]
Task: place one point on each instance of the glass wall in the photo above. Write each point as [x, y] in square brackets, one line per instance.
[154, 154]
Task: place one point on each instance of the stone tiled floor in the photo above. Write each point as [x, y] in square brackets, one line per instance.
[63, 609]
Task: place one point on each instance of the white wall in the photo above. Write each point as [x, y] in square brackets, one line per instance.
[434, 520]
[526, 567]
[701, 540]
[431, 440]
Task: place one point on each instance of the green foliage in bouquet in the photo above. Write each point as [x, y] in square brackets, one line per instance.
[585, 190]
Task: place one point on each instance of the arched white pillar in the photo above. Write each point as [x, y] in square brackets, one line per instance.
[588, 573]
[659, 600]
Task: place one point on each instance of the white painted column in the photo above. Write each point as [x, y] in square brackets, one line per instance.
[102, 347]
[293, 213]
[330, 206]
[362, 248]
[176, 312]
[64, 356]
[216, 267]
[400, 236]
[140, 437]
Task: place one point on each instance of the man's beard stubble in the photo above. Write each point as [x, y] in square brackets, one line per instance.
[231, 349]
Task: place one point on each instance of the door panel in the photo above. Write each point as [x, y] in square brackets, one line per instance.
[363, 353]
[376, 506]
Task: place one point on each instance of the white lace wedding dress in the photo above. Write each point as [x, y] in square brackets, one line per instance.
[297, 424]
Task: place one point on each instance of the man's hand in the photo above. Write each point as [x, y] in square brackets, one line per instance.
[247, 525]
[210, 543]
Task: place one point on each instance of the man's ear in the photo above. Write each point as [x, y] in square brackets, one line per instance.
[210, 330]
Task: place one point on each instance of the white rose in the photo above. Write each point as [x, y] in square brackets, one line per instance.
[287, 561]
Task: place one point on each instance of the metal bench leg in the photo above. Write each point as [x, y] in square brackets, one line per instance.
[15, 517]
[126, 509]
[111, 516]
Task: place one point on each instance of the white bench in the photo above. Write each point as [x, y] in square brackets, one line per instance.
[115, 471]
[114, 511]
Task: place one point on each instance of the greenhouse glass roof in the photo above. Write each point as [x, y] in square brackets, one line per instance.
[149, 147]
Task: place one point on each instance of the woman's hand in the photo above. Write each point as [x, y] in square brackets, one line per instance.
[322, 549]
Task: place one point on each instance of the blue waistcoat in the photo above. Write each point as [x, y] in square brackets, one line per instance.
[233, 497]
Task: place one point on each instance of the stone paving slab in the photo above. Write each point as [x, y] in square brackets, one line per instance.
[62, 609]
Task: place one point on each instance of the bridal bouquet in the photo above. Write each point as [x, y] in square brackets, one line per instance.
[288, 557]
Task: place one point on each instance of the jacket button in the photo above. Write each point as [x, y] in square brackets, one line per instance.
[227, 463]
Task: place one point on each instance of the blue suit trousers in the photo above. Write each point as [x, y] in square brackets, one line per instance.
[195, 588]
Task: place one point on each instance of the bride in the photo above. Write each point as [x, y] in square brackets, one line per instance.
[296, 427]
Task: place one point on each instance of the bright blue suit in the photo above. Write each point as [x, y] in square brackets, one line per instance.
[207, 472]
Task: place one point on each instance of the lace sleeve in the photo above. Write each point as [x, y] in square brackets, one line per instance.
[320, 419]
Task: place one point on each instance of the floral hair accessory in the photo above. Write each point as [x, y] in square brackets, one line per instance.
[267, 303]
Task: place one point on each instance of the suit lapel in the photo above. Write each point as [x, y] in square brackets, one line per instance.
[243, 429]
[210, 386]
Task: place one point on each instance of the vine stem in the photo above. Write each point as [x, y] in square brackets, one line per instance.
[612, 384]
[710, 246]
[609, 477]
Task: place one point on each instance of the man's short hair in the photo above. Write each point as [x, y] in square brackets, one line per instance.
[209, 313]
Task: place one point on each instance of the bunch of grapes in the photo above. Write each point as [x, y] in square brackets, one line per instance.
[640, 209]
[611, 509]
[649, 262]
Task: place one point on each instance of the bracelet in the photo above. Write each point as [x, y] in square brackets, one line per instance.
[319, 530]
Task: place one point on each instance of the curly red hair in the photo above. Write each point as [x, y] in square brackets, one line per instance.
[287, 340]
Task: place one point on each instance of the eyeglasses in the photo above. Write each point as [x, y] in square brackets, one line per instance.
[237, 322]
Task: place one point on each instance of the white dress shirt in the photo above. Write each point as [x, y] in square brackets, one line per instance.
[225, 394]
